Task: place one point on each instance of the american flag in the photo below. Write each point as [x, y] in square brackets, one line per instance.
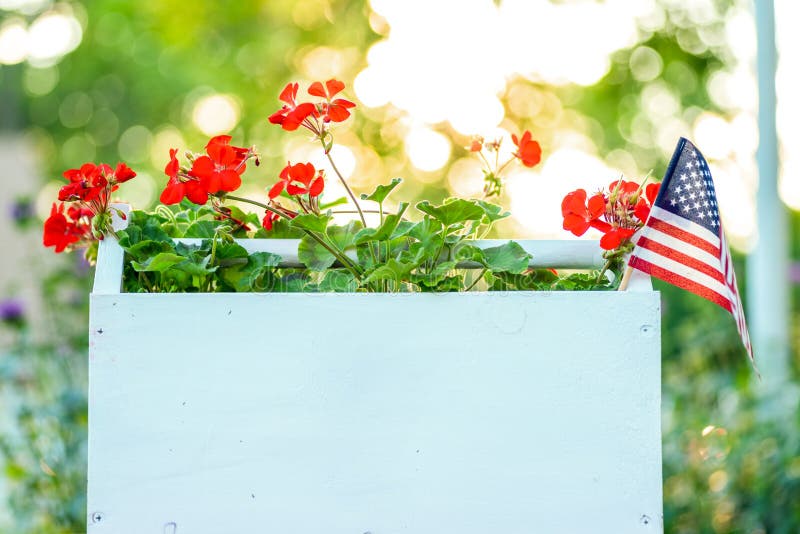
[682, 241]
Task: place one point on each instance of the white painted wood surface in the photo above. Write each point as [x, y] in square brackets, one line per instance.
[470, 413]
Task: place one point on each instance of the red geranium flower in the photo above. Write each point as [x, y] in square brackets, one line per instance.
[579, 216]
[332, 110]
[269, 218]
[220, 170]
[91, 182]
[177, 188]
[528, 151]
[476, 145]
[123, 173]
[86, 183]
[299, 179]
[292, 114]
[642, 209]
[58, 231]
[614, 237]
[623, 187]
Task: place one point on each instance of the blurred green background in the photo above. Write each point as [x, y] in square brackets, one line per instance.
[606, 86]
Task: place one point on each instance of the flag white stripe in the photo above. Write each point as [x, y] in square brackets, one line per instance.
[683, 270]
[685, 224]
[735, 298]
[682, 246]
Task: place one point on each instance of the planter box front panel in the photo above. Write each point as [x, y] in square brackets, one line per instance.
[449, 413]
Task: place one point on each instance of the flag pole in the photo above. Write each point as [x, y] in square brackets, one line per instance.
[626, 278]
[767, 265]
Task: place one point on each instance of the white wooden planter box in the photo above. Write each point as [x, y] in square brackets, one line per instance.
[458, 413]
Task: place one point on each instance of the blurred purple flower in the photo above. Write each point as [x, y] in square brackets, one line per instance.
[21, 210]
[82, 265]
[12, 311]
[794, 272]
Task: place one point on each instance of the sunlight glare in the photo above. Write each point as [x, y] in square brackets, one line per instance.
[428, 150]
[14, 42]
[52, 35]
[216, 114]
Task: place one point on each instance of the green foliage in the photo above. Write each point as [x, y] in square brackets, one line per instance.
[453, 211]
[382, 191]
[436, 253]
[43, 374]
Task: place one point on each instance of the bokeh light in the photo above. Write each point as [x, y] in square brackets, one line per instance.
[427, 150]
[52, 35]
[14, 42]
[216, 114]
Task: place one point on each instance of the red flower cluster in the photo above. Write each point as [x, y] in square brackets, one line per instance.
[270, 216]
[64, 229]
[299, 179]
[618, 213]
[218, 170]
[303, 182]
[93, 182]
[88, 192]
[307, 114]
[528, 151]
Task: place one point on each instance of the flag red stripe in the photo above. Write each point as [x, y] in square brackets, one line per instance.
[680, 281]
[683, 235]
[680, 257]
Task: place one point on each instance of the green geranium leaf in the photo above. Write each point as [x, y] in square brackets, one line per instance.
[416, 253]
[510, 257]
[202, 229]
[281, 229]
[450, 284]
[294, 282]
[316, 257]
[382, 191]
[338, 281]
[428, 232]
[143, 226]
[386, 230]
[492, 212]
[152, 229]
[158, 263]
[403, 227]
[582, 282]
[197, 268]
[467, 252]
[332, 204]
[393, 270]
[452, 211]
[311, 222]
[147, 249]
[130, 236]
[227, 250]
[430, 280]
[313, 255]
[193, 211]
[344, 237]
[254, 275]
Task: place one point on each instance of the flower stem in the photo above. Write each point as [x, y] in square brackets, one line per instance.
[339, 255]
[604, 269]
[477, 279]
[344, 183]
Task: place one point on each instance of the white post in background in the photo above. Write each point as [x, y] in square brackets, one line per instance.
[767, 265]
